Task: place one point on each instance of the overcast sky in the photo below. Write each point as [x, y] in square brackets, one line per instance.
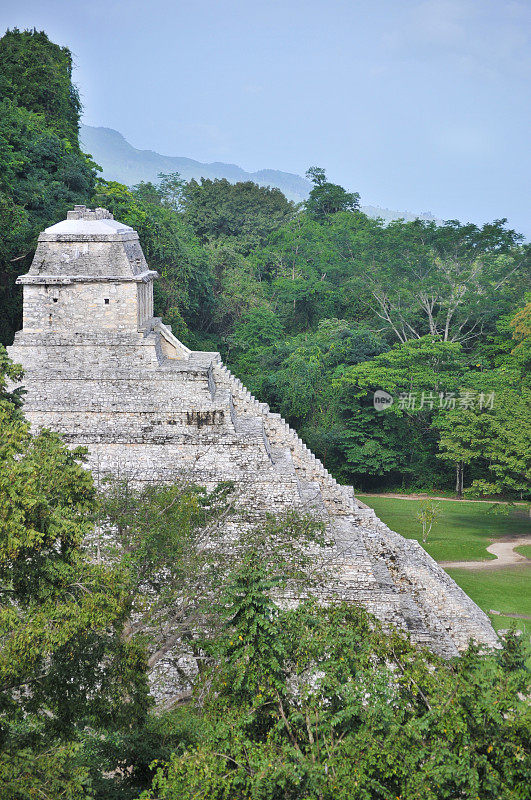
[419, 106]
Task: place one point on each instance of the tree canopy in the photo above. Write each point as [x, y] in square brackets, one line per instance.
[315, 307]
[321, 703]
[43, 173]
[64, 664]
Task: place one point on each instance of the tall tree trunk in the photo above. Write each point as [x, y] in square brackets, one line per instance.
[459, 475]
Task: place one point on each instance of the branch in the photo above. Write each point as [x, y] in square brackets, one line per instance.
[287, 725]
[417, 687]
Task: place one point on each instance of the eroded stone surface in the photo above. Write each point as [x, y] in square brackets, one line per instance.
[102, 371]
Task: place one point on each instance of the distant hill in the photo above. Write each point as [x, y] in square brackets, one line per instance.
[122, 162]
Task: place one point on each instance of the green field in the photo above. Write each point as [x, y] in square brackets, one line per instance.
[462, 532]
[497, 589]
[506, 590]
[524, 550]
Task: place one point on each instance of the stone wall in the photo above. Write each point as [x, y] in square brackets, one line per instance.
[150, 409]
[80, 306]
[89, 254]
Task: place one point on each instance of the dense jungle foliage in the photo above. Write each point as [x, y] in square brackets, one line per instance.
[308, 703]
[315, 308]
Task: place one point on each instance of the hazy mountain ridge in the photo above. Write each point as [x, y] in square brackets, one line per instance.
[122, 162]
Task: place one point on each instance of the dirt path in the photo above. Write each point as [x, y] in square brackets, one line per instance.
[503, 549]
[508, 614]
[436, 497]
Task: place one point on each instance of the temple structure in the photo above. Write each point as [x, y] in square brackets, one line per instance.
[105, 373]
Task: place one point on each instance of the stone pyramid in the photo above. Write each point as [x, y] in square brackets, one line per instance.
[105, 373]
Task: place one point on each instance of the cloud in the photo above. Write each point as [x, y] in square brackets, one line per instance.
[489, 36]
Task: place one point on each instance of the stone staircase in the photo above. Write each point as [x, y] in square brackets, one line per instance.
[278, 434]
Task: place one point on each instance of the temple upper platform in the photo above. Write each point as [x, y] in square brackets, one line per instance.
[88, 245]
[88, 273]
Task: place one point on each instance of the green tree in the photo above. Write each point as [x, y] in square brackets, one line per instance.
[321, 703]
[428, 514]
[242, 213]
[520, 326]
[42, 170]
[328, 198]
[63, 661]
[449, 281]
[254, 653]
[420, 375]
[171, 541]
[258, 327]
[463, 433]
[147, 192]
[37, 74]
[236, 292]
[171, 187]
[493, 432]
[506, 446]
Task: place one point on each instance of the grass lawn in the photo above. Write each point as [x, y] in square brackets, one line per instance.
[524, 549]
[506, 589]
[462, 532]
[502, 590]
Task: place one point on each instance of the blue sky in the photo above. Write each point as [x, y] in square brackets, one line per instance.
[418, 105]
